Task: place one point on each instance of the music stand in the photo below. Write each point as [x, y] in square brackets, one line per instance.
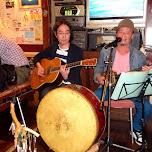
[129, 86]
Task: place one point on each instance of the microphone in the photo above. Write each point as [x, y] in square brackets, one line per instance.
[114, 43]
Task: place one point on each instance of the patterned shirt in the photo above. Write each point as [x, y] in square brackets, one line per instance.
[11, 53]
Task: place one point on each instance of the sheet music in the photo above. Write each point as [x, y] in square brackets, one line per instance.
[130, 85]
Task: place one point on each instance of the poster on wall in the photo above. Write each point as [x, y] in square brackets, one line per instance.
[23, 26]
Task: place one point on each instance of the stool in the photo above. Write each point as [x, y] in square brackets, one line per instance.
[124, 104]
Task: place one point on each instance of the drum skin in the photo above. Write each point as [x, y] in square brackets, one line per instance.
[69, 120]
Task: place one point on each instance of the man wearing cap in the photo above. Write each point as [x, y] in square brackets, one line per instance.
[124, 58]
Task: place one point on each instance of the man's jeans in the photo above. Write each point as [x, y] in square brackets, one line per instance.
[138, 105]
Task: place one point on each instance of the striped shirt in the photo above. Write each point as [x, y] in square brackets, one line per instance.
[62, 54]
[11, 53]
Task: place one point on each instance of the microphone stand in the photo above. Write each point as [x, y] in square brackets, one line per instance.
[108, 142]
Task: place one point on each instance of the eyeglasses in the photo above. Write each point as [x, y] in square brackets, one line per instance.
[61, 33]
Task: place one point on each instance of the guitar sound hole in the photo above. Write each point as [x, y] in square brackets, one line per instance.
[48, 71]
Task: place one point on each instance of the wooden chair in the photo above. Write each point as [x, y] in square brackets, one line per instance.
[124, 104]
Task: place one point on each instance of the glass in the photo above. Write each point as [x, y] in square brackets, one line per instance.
[66, 33]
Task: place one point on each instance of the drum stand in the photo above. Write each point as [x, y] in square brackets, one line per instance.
[108, 142]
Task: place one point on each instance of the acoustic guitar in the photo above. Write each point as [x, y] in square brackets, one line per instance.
[51, 71]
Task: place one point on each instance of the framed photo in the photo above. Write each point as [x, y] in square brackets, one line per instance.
[29, 3]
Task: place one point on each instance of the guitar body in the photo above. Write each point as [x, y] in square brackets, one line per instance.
[49, 77]
[51, 71]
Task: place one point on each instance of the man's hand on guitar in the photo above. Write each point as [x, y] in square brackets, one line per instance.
[40, 69]
[101, 79]
[64, 71]
[145, 68]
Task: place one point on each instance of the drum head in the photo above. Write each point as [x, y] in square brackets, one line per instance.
[66, 121]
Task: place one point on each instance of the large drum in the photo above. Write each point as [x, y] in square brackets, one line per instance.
[69, 120]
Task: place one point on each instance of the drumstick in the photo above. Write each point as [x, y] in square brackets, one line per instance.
[31, 131]
[93, 148]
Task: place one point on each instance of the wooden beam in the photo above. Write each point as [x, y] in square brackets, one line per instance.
[46, 22]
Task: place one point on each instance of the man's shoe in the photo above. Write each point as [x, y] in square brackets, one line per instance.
[138, 137]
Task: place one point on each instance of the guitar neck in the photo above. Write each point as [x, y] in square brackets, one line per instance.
[74, 64]
[70, 65]
[139, 69]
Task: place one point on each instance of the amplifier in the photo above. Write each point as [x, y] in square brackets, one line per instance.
[74, 20]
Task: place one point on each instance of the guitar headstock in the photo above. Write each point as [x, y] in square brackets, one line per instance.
[89, 62]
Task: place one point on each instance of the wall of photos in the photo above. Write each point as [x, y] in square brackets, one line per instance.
[23, 26]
